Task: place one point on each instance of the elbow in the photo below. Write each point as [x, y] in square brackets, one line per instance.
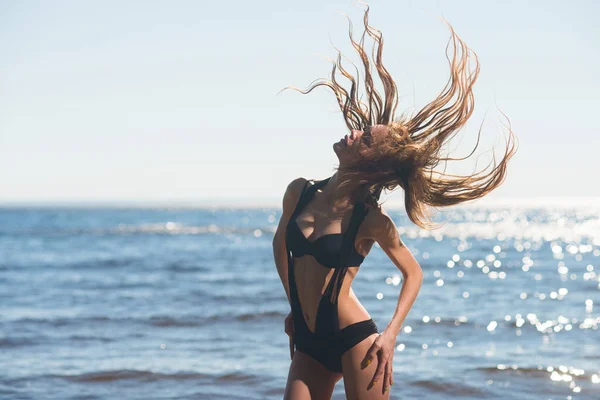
[415, 273]
[418, 273]
[420, 276]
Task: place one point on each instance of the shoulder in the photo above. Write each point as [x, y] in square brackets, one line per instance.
[292, 193]
[295, 187]
[379, 225]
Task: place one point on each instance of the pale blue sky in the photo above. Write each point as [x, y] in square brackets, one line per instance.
[176, 100]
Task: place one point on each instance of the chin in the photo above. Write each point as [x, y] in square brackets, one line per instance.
[335, 147]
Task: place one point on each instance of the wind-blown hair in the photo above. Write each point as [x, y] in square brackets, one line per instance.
[410, 151]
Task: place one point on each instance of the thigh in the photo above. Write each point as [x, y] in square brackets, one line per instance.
[309, 380]
[356, 380]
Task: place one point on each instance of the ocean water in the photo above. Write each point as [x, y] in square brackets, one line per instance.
[126, 303]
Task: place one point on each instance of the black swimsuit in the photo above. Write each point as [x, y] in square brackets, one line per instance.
[335, 251]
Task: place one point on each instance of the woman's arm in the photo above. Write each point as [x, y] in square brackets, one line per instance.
[386, 234]
[382, 229]
[292, 193]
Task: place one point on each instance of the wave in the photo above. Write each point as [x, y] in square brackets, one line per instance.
[460, 321]
[190, 321]
[149, 376]
[166, 228]
[11, 342]
[538, 372]
[572, 232]
[479, 224]
[451, 388]
[156, 320]
[503, 370]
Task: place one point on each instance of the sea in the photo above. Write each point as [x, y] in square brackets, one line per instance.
[177, 302]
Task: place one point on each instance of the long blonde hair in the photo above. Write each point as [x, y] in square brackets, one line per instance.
[410, 151]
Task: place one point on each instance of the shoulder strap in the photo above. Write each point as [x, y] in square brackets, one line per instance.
[301, 198]
[358, 215]
[307, 193]
[337, 279]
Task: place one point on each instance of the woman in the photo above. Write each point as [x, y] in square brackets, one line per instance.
[328, 226]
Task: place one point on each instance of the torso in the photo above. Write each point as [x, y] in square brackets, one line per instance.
[325, 229]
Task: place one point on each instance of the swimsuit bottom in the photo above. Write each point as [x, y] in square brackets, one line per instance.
[328, 347]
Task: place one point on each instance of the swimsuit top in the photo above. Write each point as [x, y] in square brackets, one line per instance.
[333, 250]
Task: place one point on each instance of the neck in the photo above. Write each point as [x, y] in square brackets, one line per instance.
[340, 197]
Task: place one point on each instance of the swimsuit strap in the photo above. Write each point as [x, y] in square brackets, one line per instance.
[304, 198]
[301, 199]
[307, 192]
[337, 279]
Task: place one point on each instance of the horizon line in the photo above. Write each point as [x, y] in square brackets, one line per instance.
[541, 201]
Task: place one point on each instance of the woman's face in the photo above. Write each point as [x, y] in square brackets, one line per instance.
[360, 140]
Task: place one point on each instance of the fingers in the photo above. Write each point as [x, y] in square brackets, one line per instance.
[371, 354]
[379, 371]
[391, 371]
[387, 381]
